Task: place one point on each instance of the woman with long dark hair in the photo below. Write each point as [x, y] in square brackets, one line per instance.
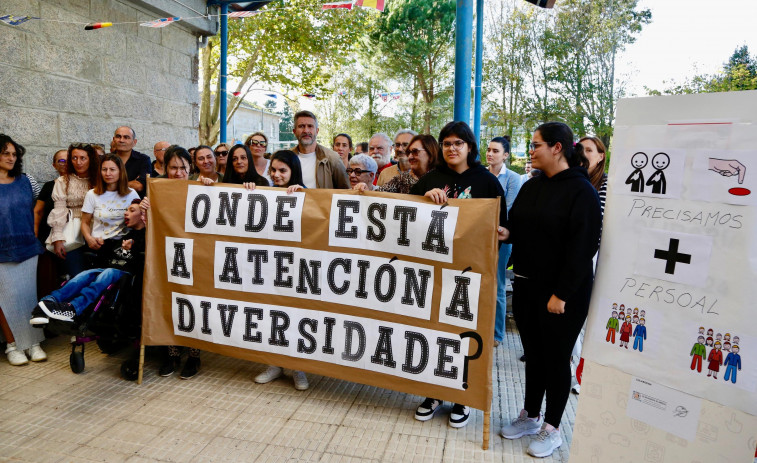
[82, 170]
[554, 227]
[242, 169]
[459, 176]
[19, 250]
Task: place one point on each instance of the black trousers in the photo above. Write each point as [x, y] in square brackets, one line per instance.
[548, 341]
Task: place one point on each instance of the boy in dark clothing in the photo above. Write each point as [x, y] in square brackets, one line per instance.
[84, 289]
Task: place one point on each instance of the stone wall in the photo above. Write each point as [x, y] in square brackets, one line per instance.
[62, 84]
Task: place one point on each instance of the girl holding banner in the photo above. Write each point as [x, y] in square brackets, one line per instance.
[459, 176]
[554, 226]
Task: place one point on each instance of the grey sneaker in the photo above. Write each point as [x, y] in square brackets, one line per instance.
[546, 442]
[522, 426]
[300, 380]
[268, 375]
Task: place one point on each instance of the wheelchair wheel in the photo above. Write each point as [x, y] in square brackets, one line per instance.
[76, 360]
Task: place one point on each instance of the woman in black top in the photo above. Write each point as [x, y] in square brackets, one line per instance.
[242, 169]
[554, 226]
[459, 176]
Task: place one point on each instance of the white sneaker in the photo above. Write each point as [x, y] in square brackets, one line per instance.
[427, 408]
[268, 375]
[36, 354]
[521, 426]
[546, 442]
[300, 380]
[15, 357]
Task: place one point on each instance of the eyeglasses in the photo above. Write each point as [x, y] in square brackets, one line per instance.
[358, 171]
[533, 146]
[161, 149]
[449, 144]
[175, 169]
[403, 145]
[222, 153]
[61, 161]
[415, 151]
[258, 143]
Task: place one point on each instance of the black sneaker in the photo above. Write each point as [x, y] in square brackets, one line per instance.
[190, 368]
[39, 317]
[169, 366]
[58, 311]
[426, 410]
[459, 416]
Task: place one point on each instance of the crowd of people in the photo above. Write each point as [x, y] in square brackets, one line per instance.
[549, 227]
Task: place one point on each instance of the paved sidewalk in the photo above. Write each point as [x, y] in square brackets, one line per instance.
[50, 414]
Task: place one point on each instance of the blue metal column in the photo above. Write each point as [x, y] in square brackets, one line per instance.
[479, 70]
[463, 58]
[224, 69]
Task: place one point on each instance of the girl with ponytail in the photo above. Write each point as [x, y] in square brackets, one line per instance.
[554, 227]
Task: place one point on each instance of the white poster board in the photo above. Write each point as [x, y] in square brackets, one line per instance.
[679, 250]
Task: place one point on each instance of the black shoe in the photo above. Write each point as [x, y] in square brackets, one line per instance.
[190, 368]
[459, 416]
[130, 369]
[58, 311]
[523, 358]
[169, 366]
[427, 408]
[39, 317]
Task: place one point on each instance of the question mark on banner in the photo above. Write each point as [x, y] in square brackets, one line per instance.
[479, 349]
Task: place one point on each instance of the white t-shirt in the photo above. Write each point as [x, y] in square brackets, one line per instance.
[107, 212]
[308, 169]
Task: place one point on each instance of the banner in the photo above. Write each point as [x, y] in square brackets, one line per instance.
[387, 290]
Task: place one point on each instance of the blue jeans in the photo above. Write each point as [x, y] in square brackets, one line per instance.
[730, 373]
[638, 342]
[84, 289]
[499, 321]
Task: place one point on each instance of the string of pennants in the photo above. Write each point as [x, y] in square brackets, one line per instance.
[13, 20]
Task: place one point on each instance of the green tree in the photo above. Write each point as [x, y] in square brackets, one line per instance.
[738, 73]
[415, 40]
[291, 45]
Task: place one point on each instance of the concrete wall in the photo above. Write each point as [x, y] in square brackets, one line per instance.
[61, 84]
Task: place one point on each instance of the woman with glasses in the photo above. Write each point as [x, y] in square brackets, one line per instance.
[243, 168]
[361, 171]
[258, 142]
[423, 155]
[554, 227]
[69, 191]
[19, 249]
[205, 162]
[222, 155]
[459, 176]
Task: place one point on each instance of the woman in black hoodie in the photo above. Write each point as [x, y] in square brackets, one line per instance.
[459, 176]
[554, 225]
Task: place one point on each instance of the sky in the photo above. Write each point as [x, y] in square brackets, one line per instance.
[687, 37]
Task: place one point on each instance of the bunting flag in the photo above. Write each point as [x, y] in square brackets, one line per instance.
[342, 92]
[346, 4]
[375, 4]
[91, 27]
[384, 96]
[243, 14]
[162, 22]
[15, 20]
[309, 95]
[395, 95]
[272, 95]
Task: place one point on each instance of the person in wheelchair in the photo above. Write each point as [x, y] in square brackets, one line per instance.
[71, 300]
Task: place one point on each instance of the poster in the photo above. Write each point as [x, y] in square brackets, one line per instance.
[387, 290]
[678, 258]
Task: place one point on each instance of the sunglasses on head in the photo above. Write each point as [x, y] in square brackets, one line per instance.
[81, 145]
